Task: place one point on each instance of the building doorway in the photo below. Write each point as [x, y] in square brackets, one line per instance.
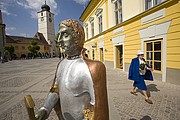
[119, 56]
[101, 55]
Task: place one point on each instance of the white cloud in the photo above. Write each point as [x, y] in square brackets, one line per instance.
[3, 7]
[8, 33]
[82, 2]
[10, 28]
[35, 6]
[24, 35]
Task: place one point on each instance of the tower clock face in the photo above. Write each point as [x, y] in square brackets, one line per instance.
[50, 20]
[42, 18]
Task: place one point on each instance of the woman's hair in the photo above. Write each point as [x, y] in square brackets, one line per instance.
[77, 31]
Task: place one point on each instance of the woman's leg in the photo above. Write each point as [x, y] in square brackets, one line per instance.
[146, 97]
[133, 89]
[145, 94]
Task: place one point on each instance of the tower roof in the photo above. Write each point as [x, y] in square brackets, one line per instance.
[45, 7]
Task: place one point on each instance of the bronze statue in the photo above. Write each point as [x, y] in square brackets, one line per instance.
[79, 89]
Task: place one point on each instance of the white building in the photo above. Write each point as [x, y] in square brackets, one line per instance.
[46, 27]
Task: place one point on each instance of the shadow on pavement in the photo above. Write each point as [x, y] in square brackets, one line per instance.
[144, 118]
[150, 88]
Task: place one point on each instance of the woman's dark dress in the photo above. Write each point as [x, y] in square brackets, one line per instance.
[136, 77]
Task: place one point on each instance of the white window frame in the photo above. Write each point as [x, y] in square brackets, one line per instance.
[92, 28]
[99, 15]
[100, 23]
[118, 10]
[87, 35]
[86, 30]
[91, 20]
[152, 4]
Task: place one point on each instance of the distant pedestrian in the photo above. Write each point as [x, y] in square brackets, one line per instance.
[1, 58]
[138, 71]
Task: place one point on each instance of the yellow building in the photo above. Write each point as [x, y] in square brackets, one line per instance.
[21, 44]
[116, 29]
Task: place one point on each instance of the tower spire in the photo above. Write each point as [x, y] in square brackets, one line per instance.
[45, 2]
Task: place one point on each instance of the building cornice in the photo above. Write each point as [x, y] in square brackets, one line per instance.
[138, 17]
[92, 4]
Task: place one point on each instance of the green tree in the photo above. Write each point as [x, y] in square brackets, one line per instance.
[9, 50]
[33, 48]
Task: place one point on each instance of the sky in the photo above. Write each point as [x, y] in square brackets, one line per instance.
[20, 16]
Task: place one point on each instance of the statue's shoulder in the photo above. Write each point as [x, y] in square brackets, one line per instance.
[94, 63]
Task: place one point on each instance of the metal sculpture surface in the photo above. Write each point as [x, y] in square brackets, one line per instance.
[79, 89]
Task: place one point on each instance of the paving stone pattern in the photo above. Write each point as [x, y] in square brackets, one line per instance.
[34, 77]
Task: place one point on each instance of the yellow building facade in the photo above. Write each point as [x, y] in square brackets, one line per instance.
[116, 29]
[21, 44]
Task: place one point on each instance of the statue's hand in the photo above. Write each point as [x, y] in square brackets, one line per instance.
[41, 115]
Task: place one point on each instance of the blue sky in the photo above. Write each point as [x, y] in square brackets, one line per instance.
[20, 16]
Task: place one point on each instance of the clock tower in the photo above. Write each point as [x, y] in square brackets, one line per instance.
[46, 27]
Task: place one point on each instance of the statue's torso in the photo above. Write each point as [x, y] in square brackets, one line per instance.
[75, 88]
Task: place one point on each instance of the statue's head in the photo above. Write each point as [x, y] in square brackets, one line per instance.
[71, 37]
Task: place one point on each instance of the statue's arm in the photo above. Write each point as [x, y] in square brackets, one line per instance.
[53, 101]
[50, 103]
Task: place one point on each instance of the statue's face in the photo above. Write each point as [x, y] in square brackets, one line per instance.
[66, 39]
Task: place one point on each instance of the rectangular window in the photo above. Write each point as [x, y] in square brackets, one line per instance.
[101, 55]
[100, 23]
[87, 32]
[23, 48]
[153, 53]
[16, 47]
[49, 15]
[157, 2]
[118, 11]
[93, 54]
[151, 3]
[92, 29]
[41, 14]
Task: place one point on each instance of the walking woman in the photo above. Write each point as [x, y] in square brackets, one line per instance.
[138, 71]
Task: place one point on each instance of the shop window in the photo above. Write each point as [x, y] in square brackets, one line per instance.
[153, 54]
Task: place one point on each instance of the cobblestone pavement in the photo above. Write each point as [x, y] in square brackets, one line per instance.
[23, 77]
